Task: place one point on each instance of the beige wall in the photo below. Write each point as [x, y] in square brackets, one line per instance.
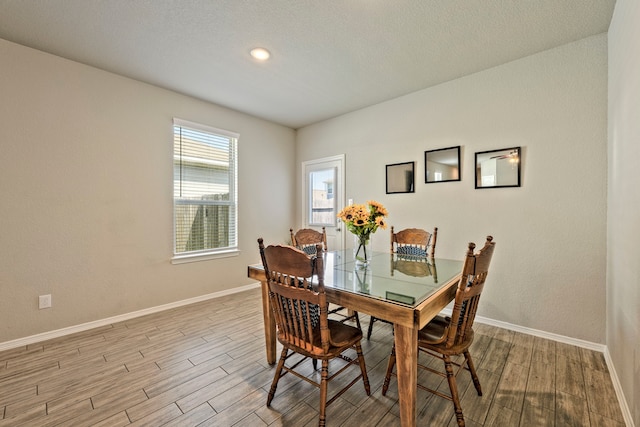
[548, 272]
[86, 185]
[623, 271]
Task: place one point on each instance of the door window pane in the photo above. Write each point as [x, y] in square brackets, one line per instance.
[322, 204]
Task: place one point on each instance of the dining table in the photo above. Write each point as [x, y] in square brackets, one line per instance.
[405, 299]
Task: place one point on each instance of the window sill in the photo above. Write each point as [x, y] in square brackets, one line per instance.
[183, 259]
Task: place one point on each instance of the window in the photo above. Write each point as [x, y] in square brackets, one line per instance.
[204, 190]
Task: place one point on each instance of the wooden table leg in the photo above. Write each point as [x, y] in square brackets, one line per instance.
[269, 324]
[406, 339]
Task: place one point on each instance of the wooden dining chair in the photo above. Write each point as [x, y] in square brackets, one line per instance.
[414, 241]
[300, 309]
[449, 336]
[306, 240]
[410, 242]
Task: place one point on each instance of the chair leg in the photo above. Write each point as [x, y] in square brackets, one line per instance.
[355, 315]
[474, 375]
[370, 329]
[363, 369]
[390, 364]
[451, 378]
[276, 377]
[314, 363]
[323, 393]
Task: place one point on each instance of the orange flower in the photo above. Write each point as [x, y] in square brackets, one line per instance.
[381, 222]
[364, 220]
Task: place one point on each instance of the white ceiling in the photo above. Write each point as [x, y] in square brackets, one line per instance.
[329, 57]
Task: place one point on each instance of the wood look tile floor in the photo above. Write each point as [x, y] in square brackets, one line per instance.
[204, 364]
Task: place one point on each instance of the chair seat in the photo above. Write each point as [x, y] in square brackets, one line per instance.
[433, 334]
[434, 330]
[342, 337]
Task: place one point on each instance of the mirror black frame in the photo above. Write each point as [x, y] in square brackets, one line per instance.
[438, 153]
[400, 178]
[514, 158]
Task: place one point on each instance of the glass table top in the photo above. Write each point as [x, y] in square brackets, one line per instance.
[402, 279]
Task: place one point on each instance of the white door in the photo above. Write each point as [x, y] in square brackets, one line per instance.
[323, 197]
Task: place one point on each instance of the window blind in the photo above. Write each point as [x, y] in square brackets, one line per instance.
[204, 188]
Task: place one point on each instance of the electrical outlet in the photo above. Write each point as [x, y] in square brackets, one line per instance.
[44, 301]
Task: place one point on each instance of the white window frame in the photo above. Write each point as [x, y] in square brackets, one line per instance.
[211, 253]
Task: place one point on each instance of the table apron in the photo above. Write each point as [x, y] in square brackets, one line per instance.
[429, 308]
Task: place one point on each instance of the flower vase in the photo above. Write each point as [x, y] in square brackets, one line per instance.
[363, 280]
[362, 251]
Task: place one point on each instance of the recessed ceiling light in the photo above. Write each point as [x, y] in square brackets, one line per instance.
[260, 53]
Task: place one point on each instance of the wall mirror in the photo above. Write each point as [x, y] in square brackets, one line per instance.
[442, 165]
[498, 168]
[400, 177]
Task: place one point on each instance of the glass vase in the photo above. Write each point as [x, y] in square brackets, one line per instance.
[362, 250]
[362, 280]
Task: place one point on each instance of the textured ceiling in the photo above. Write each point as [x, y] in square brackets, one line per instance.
[329, 57]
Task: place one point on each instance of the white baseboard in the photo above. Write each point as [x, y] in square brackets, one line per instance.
[626, 411]
[542, 334]
[122, 317]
